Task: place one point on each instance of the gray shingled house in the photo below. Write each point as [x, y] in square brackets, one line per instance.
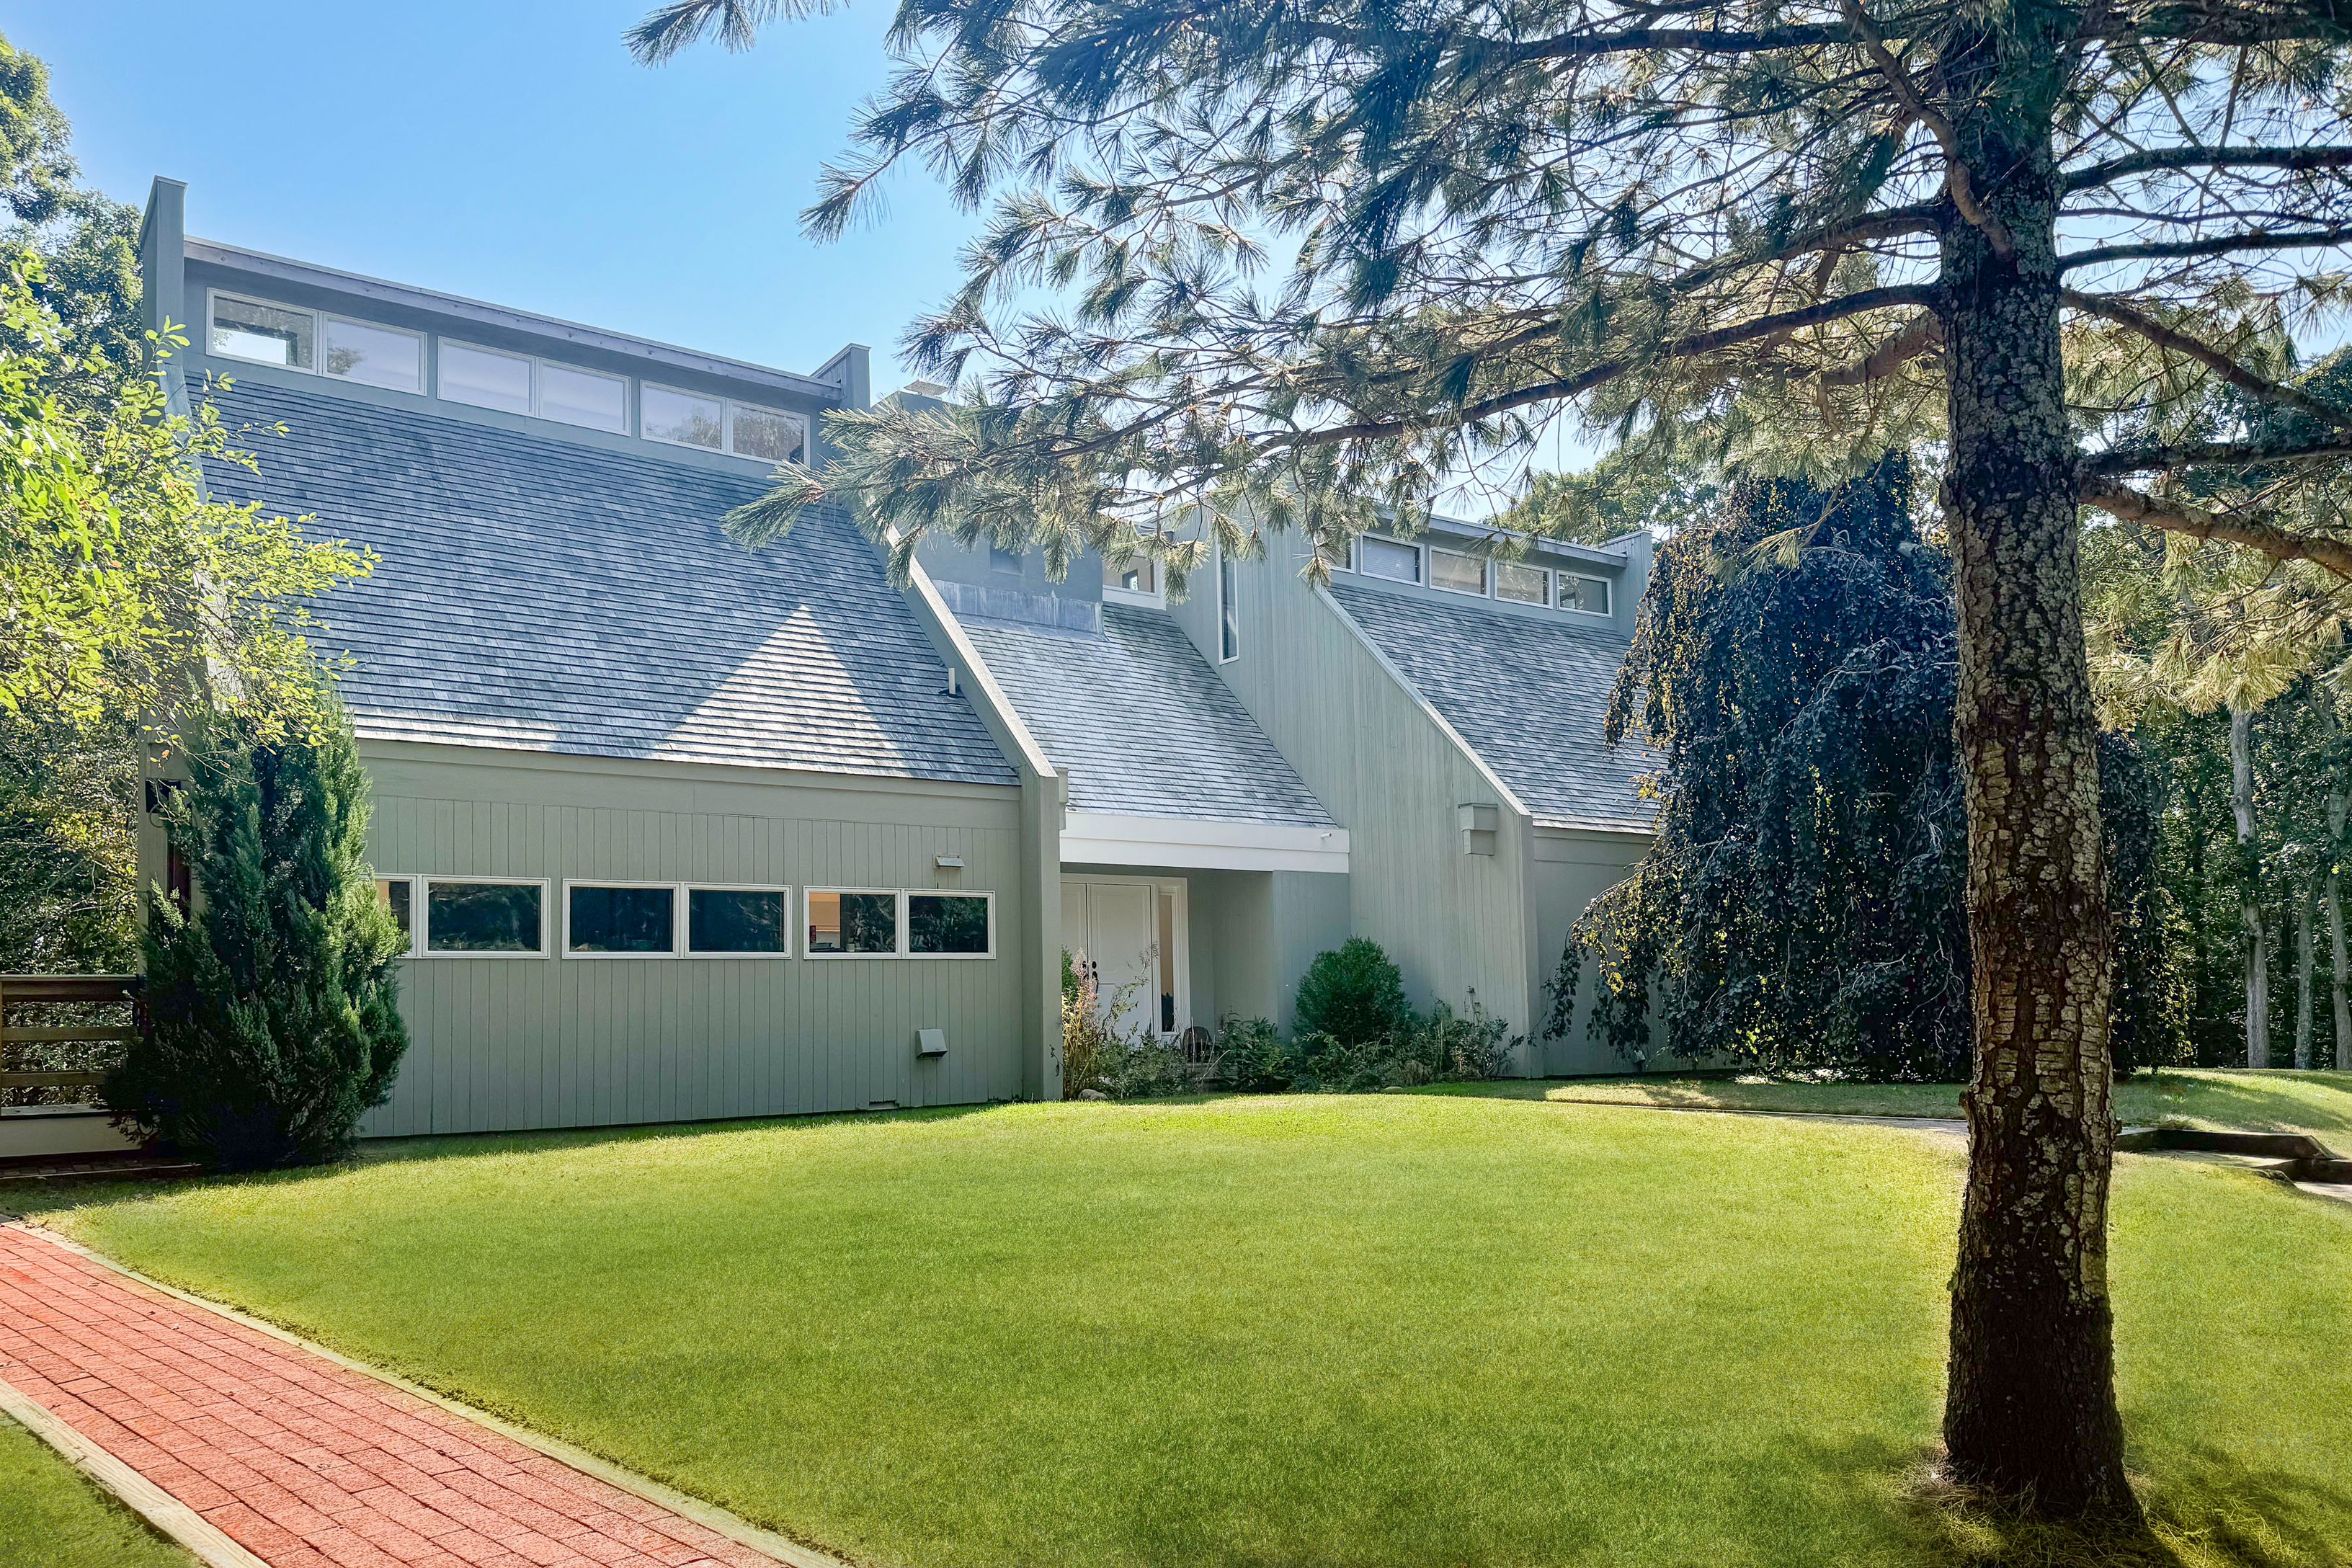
[679, 831]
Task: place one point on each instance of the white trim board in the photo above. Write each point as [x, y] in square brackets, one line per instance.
[1102, 838]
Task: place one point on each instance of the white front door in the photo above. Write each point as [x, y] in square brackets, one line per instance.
[1130, 931]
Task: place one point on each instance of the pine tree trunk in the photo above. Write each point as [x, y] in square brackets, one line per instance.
[2249, 892]
[2031, 1410]
[2304, 964]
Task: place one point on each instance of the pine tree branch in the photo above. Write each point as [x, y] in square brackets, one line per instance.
[2212, 359]
[1892, 297]
[2215, 244]
[2212, 453]
[2202, 22]
[1907, 93]
[2166, 160]
[1921, 336]
[2194, 522]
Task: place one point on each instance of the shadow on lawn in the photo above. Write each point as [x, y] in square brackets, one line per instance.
[2208, 1510]
[2303, 1102]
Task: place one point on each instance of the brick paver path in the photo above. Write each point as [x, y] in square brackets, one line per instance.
[303, 1462]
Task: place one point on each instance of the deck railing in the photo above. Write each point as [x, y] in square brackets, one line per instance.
[61, 1059]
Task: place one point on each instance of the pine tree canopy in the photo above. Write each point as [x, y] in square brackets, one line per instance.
[1303, 259]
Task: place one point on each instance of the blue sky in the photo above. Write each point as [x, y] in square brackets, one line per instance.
[511, 151]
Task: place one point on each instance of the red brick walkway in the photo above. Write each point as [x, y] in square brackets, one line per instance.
[301, 1461]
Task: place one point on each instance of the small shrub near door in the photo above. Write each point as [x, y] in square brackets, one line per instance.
[1354, 994]
[273, 1019]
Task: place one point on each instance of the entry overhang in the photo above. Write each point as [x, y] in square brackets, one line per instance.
[1101, 839]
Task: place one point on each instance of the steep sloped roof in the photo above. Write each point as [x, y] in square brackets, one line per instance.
[542, 595]
[1529, 694]
[1140, 723]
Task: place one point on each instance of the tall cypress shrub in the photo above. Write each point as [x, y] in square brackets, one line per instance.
[272, 1019]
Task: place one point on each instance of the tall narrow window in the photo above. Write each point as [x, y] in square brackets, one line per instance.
[1229, 608]
[398, 894]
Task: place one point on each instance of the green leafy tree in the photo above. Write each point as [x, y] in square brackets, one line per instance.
[274, 1021]
[125, 596]
[1354, 993]
[1293, 264]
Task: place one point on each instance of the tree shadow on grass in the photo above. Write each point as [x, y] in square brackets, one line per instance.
[2278, 1100]
[2207, 1510]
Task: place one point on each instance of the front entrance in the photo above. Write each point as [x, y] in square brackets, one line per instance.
[1132, 932]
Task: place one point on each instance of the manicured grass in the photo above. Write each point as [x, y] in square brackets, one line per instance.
[52, 1516]
[2319, 1103]
[1298, 1331]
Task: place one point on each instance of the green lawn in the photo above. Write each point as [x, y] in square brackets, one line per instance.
[1285, 1332]
[50, 1515]
[2319, 1103]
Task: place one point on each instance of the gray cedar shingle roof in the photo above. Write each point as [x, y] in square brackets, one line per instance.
[545, 595]
[1528, 695]
[1140, 723]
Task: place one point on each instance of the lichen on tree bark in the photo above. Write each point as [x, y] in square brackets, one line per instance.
[2030, 1406]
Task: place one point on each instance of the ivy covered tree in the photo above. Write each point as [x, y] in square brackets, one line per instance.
[1794, 666]
[1296, 263]
[274, 1022]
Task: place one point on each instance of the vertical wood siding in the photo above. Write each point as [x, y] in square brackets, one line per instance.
[504, 1043]
[1570, 868]
[1458, 925]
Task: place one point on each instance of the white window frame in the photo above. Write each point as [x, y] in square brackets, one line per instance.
[415, 911]
[538, 388]
[323, 317]
[726, 419]
[1348, 564]
[1608, 592]
[686, 919]
[807, 435]
[1229, 605]
[212, 297]
[677, 915]
[425, 880]
[1543, 575]
[906, 919]
[902, 908]
[728, 408]
[808, 899]
[530, 377]
[1485, 578]
[1419, 578]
